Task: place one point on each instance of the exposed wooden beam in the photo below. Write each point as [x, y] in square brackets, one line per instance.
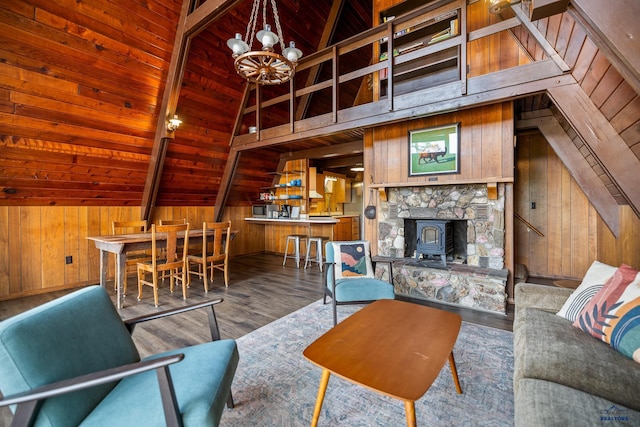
[354, 147]
[325, 39]
[206, 14]
[578, 167]
[225, 182]
[507, 24]
[540, 38]
[601, 138]
[616, 33]
[167, 109]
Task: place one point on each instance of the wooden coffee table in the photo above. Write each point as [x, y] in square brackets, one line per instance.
[393, 347]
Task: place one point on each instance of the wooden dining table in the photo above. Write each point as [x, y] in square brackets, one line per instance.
[120, 244]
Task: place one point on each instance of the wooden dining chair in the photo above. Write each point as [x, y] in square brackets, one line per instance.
[172, 221]
[173, 260]
[133, 257]
[215, 252]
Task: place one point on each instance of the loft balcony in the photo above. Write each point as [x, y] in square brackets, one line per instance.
[409, 66]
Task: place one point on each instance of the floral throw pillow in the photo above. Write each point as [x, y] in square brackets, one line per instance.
[352, 260]
[613, 314]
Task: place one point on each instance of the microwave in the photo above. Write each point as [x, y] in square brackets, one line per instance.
[263, 210]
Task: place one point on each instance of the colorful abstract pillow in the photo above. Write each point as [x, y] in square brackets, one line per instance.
[352, 260]
[592, 282]
[613, 314]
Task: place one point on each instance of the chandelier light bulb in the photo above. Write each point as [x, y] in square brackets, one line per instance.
[237, 45]
[292, 53]
[267, 38]
[264, 66]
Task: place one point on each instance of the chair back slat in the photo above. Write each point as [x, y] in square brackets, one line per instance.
[174, 255]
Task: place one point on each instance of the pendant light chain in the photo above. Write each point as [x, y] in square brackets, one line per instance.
[252, 24]
[277, 19]
[264, 66]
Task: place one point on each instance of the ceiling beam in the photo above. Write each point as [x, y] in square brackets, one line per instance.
[325, 39]
[541, 39]
[581, 171]
[354, 147]
[167, 109]
[206, 14]
[601, 138]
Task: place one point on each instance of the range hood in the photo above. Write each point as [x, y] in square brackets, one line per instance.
[313, 194]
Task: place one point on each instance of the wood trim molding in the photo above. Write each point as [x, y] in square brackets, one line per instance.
[602, 139]
[580, 170]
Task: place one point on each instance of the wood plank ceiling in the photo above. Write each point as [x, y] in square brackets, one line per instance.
[81, 84]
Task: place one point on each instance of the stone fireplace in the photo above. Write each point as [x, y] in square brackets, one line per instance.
[471, 273]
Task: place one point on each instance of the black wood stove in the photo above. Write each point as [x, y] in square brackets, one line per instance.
[434, 237]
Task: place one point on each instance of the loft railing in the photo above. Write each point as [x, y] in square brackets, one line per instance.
[412, 60]
[381, 75]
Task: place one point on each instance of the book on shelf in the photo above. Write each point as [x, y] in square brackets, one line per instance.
[442, 35]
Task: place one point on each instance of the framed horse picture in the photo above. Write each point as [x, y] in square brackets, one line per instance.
[434, 150]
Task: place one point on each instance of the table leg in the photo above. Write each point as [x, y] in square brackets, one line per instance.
[410, 410]
[104, 263]
[121, 276]
[454, 372]
[324, 380]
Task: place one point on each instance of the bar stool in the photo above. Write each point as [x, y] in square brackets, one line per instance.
[295, 238]
[319, 241]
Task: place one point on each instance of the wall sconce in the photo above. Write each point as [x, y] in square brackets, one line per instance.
[497, 6]
[174, 123]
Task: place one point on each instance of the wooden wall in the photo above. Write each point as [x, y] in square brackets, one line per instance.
[562, 214]
[34, 241]
[574, 234]
[486, 151]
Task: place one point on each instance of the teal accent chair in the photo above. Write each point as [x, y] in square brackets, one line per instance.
[345, 289]
[72, 362]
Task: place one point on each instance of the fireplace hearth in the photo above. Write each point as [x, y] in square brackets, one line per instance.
[460, 260]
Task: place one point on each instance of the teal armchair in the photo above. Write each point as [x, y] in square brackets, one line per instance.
[349, 276]
[72, 362]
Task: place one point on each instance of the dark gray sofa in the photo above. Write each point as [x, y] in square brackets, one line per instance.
[563, 376]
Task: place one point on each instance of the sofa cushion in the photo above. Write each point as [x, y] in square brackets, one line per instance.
[593, 281]
[612, 312]
[203, 377]
[543, 403]
[547, 347]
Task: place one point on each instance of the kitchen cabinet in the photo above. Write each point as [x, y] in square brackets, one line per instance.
[347, 228]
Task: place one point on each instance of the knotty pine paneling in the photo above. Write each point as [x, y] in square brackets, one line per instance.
[562, 213]
[34, 241]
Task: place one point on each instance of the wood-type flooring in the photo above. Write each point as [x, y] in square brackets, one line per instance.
[260, 291]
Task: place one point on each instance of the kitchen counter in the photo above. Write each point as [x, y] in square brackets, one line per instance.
[273, 231]
[306, 221]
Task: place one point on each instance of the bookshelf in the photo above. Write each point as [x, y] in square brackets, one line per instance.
[417, 64]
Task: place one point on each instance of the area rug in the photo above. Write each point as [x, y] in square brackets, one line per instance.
[276, 386]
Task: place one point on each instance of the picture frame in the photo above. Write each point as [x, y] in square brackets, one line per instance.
[434, 151]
